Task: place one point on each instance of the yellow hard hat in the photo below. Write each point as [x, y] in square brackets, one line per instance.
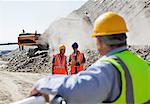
[109, 23]
[62, 46]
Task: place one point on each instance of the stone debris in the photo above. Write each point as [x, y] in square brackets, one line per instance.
[18, 61]
[91, 57]
[143, 51]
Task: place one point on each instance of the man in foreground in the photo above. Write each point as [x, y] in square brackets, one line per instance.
[118, 77]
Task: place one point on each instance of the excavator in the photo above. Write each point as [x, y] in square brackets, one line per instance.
[32, 39]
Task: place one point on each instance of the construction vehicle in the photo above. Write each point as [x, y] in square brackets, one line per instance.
[32, 39]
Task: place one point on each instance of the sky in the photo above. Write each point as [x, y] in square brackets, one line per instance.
[31, 15]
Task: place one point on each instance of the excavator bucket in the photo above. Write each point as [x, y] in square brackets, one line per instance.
[32, 39]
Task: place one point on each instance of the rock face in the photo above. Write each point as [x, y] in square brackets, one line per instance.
[135, 12]
[78, 25]
[69, 30]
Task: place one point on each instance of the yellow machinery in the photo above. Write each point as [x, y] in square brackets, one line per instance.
[28, 39]
[32, 39]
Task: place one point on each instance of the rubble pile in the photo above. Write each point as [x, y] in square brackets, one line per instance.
[91, 57]
[19, 61]
[143, 51]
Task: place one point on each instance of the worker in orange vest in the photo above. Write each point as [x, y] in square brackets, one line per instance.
[76, 60]
[59, 63]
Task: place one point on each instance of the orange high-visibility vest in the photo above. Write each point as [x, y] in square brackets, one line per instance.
[75, 69]
[60, 65]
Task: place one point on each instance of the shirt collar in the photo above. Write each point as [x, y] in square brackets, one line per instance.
[115, 51]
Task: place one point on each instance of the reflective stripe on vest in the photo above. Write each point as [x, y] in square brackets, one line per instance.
[117, 62]
[58, 60]
[135, 76]
[59, 67]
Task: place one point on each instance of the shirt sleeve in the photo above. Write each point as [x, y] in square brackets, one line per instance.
[88, 87]
[70, 58]
[84, 59]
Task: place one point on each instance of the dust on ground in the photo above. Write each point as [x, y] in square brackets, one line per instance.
[16, 86]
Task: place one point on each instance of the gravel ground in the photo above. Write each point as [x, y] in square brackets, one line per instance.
[16, 86]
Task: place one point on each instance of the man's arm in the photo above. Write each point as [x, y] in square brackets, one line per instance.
[88, 87]
[66, 66]
[53, 61]
[84, 60]
[69, 63]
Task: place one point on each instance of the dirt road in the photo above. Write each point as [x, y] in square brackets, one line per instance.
[16, 86]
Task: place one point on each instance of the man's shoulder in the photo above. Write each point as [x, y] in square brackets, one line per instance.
[71, 54]
[101, 62]
[55, 55]
[103, 67]
[65, 56]
[82, 53]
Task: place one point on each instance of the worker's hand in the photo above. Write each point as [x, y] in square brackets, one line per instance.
[73, 62]
[35, 92]
[77, 64]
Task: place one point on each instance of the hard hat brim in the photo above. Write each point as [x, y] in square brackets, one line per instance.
[94, 35]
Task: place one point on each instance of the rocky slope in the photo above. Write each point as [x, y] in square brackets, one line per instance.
[135, 12]
[77, 26]
[20, 62]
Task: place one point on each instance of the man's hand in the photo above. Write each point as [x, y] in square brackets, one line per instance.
[35, 92]
[77, 64]
[73, 62]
